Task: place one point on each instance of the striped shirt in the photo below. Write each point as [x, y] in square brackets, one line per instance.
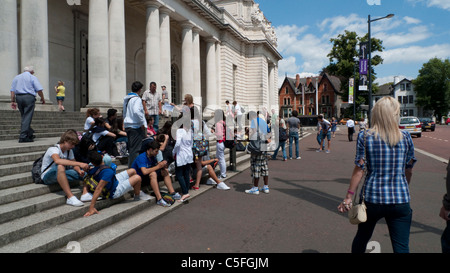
[385, 182]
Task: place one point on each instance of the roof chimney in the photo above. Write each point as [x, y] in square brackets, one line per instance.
[297, 80]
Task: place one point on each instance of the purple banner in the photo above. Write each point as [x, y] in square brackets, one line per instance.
[363, 65]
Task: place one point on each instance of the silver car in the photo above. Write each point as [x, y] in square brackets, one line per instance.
[412, 125]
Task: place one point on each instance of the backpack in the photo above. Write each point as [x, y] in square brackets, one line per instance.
[92, 184]
[168, 198]
[36, 170]
[200, 146]
[283, 134]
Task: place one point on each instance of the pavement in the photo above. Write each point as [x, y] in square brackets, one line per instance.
[299, 215]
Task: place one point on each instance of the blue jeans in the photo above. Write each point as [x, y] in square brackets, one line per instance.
[281, 144]
[156, 122]
[183, 176]
[319, 140]
[398, 219]
[293, 136]
[51, 175]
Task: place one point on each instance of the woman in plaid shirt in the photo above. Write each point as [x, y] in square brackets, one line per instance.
[388, 154]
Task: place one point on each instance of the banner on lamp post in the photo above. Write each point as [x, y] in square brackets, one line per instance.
[350, 90]
[363, 66]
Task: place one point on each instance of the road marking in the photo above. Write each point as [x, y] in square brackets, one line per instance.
[431, 155]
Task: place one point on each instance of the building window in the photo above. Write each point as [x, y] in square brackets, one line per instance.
[408, 87]
[400, 99]
[174, 82]
[286, 90]
[411, 99]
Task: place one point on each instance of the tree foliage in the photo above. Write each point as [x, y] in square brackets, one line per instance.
[344, 56]
[432, 86]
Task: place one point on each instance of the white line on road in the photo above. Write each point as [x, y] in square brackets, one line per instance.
[431, 155]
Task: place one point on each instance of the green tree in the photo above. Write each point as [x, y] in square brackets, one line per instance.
[343, 61]
[432, 86]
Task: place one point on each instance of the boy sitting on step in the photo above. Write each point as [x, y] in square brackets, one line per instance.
[59, 166]
[116, 184]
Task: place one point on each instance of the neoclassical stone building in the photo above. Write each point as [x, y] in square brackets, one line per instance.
[214, 50]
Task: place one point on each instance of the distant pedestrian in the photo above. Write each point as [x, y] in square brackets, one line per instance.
[282, 137]
[293, 125]
[334, 124]
[444, 213]
[325, 132]
[238, 114]
[350, 129]
[60, 95]
[388, 154]
[24, 88]
[134, 121]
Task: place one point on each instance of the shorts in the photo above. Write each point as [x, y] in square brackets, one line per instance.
[328, 135]
[258, 165]
[50, 177]
[123, 186]
[60, 98]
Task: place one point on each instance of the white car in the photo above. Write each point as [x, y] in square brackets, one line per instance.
[411, 124]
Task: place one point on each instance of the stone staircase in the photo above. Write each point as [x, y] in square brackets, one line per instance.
[35, 218]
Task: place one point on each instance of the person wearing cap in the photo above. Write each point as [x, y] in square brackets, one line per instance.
[24, 88]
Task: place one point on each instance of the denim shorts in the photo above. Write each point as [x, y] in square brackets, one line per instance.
[60, 98]
[50, 177]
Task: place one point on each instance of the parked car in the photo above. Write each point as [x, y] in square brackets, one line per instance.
[427, 124]
[411, 124]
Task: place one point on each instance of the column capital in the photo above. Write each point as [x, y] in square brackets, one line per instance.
[166, 10]
[187, 24]
[211, 39]
[153, 4]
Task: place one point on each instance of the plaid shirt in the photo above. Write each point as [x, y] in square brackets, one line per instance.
[385, 182]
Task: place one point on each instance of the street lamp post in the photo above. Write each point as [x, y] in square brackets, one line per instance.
[369, 113]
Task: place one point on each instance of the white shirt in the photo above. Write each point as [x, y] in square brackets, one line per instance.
[183, 147]
[47, 160]
[87, 123]
[237, 110]
[350, 123]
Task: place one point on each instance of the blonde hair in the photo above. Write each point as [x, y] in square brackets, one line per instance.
[385, 118]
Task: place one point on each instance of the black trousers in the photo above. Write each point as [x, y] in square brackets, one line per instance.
[26, 104]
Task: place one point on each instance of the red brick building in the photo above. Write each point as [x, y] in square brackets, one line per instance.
[300, 94]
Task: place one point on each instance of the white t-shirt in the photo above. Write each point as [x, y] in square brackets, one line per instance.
[350, 123]
[96, 136]
[47, 160]
[183, 147]
[87, 124]
[237, 110]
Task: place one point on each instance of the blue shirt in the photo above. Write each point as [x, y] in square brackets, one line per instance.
[143, 161]
[385, 182]
[108, 175]
[26, 83]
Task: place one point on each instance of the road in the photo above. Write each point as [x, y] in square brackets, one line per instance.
[299, 215]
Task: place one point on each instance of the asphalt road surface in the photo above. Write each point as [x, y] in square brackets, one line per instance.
[299, 215]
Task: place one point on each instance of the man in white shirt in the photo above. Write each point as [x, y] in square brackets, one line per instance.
[351, 129]
[153, 106]
[325, 132]
[238, 115]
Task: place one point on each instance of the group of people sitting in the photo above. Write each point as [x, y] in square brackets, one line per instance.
[88, 156]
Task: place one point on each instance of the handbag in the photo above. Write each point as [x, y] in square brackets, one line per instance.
[358, 214]
[254, 145]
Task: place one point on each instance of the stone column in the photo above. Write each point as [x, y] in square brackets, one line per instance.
[34, 41]
[164, 24]
[152, 51]
[117, 54]
[187, 73]
[197, 92]
[9, 53]
[98, 61]
[211, 79]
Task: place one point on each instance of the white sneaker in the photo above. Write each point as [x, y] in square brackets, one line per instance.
[73, 201]
[87, 197]
[253, 190]
[299, 157]
[222, 186]
[143, 196]
[211, 181]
